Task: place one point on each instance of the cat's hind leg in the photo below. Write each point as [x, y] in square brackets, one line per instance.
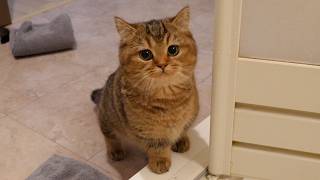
[113, 143]
[114, 148]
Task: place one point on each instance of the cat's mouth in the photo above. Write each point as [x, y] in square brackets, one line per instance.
[163, 71]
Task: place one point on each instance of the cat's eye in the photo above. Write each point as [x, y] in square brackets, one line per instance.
[173, 50]
[145, 54]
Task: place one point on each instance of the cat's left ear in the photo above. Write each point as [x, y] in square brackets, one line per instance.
[125, 29]
[181, 20]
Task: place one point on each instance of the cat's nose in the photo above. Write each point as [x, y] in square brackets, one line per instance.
[162, 66]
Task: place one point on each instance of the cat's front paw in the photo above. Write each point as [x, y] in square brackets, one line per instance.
[159, 165]
[182, 145]
[116, 154]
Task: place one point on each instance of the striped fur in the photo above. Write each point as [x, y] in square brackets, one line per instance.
[152, 108]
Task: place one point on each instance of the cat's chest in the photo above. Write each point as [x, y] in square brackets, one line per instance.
[173, 127]
[164, 118]
[162, 125]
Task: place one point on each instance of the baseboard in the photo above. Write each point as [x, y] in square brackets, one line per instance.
[189, 165]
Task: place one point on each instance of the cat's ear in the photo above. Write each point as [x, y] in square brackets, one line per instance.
[124, 28]
[181, 20]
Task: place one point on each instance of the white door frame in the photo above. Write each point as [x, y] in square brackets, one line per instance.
[226, 47]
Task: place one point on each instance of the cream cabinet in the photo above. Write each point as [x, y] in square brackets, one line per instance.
[266, 90]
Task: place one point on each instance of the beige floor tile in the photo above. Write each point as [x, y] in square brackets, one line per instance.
[11, 98]
[22, 150]
[14, 99]
[92, 54]
[2, 115]
[20, 8]
[66, 116]
[6, 62]
[41, 74]
[95, 33]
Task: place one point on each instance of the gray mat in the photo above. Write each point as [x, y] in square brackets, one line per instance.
[63, 168]
[32, 39]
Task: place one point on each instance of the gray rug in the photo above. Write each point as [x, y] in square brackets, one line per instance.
[63, 168]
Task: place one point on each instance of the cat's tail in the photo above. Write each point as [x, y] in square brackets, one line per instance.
[96, 95]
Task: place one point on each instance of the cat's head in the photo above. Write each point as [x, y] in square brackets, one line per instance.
[161, 49]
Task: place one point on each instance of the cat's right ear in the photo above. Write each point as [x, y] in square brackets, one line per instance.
[181, 20]
[125, 29]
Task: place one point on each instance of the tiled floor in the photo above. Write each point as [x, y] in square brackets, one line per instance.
[45, 107]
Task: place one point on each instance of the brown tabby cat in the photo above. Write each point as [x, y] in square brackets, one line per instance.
[152, 97]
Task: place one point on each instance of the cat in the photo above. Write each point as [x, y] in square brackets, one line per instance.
[151, 98]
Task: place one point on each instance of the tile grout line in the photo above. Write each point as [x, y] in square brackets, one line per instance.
[3, 115]
[38, 97]
[47, 138]
[94, 163]
[64, 148]
[75, 79]
[91, 70]
[43, 136]
[98, 166]
[88, 160]
[91, 157]
[45, 8]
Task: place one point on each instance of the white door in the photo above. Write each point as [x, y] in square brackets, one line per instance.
[266, 89]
